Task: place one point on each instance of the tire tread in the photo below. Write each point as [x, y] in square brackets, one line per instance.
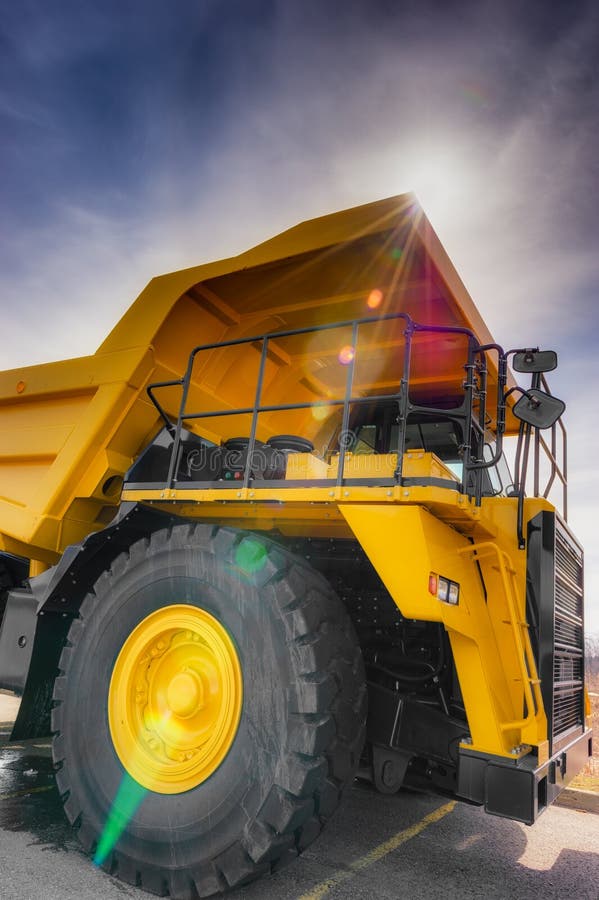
[326, 707]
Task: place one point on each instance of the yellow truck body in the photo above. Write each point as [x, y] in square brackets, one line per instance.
[373, 402]
[69, 430]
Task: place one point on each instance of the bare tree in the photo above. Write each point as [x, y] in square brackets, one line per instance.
[591, 648]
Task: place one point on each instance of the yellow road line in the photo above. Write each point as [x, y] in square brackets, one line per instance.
[33, 790]
[377, 853]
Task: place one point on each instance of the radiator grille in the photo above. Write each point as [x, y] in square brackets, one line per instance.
[568, 659]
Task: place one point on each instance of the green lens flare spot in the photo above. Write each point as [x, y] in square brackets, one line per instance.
[250, 556]
[128, 799]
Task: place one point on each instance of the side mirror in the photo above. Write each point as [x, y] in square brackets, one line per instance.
[535, 361]
[538, 408]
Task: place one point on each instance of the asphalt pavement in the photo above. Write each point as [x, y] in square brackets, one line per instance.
[411, 845]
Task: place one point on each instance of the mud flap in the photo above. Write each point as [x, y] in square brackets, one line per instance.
[28, 644]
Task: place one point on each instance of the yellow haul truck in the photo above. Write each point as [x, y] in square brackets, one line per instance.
[265, 539]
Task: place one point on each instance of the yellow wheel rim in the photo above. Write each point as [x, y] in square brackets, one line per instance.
[174, 700]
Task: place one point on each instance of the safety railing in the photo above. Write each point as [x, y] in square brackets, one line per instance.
[346, 401]
[553, 453]
[557, 446]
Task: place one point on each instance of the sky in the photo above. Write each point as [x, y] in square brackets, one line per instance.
[142, 136]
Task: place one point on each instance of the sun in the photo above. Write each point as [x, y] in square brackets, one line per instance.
[441, 181]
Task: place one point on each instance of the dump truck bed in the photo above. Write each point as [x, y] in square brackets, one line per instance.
[70, 430]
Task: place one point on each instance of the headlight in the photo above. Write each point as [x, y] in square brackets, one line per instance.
[444, 589]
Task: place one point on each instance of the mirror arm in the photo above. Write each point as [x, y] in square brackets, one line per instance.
[534, 401]
[522, 350]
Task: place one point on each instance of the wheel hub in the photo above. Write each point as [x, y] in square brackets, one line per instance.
[175, 699]
[185, 693]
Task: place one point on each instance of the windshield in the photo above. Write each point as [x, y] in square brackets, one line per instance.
[375, 429]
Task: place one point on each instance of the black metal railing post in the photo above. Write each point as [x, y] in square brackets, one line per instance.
[404, 400]
[172, 469]
[349, 384]
[254, 425]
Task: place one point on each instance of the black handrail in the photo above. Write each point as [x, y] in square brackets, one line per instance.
[475, 388]
[402, 397]
[522, 459]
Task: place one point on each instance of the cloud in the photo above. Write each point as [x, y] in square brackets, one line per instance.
[144, 143]
[305, 118]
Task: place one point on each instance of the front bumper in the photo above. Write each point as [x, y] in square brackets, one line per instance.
[520, 789]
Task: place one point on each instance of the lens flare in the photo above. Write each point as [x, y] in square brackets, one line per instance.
[477, 93]
[319, 413]
[375, 298]
[250, 556]
[347, 355]
[126, 803]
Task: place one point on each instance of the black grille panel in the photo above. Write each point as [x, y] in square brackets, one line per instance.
[567, 634]
[568, 560]
[566, 713]
[568, 599]
[568, 649]
[567, 670]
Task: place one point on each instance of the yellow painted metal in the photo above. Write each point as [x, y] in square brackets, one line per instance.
[534, 722]
[65, 440]
[495, 668]
[407, 533]
[175, 699]
[69, 430]
[306, 466]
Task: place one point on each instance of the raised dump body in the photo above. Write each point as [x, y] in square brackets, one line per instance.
[273, 541]
[70, 430]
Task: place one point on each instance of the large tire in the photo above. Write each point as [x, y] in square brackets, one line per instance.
[301, 728]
